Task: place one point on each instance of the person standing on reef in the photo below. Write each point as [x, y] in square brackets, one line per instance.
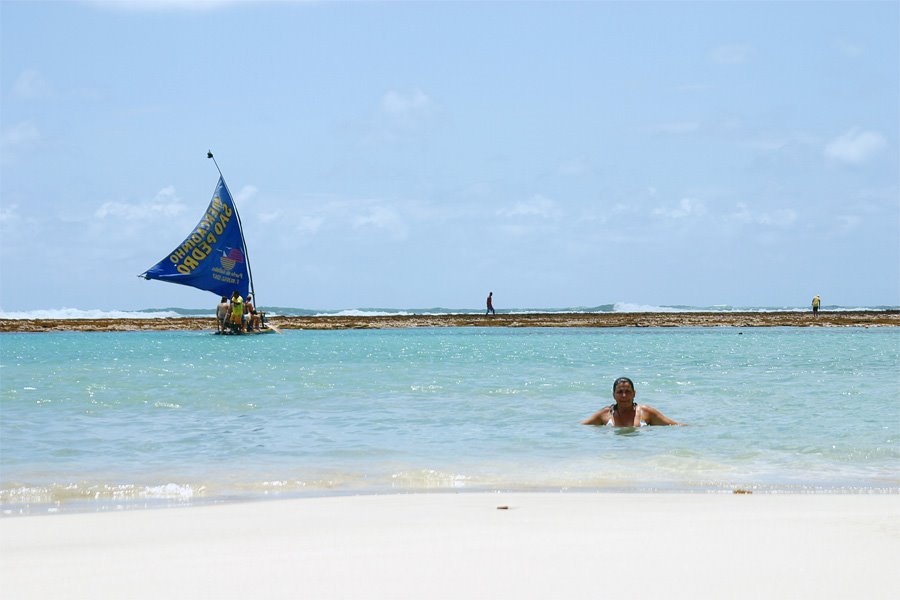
[490, 304]
[237, 312]
[222, 314]
[815, 305]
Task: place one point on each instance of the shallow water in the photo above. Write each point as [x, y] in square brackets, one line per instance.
[108, 420]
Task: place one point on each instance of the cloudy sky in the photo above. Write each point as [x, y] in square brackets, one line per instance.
[415, 155]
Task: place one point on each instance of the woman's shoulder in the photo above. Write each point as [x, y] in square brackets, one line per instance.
[647, 410]
[600, 417]
[654, 417]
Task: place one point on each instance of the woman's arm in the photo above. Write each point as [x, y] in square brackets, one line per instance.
[654, 417]
[598, 418]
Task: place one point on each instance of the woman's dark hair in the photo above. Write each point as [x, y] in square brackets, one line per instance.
[620, 380]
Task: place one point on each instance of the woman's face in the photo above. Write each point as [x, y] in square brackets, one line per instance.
[624, 393]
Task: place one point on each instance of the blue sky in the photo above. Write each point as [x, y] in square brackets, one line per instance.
[415, 155]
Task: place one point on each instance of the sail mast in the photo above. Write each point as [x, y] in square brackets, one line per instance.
[209, 154]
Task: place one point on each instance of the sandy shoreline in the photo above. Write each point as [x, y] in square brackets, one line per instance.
[693, 319]
[466, 546]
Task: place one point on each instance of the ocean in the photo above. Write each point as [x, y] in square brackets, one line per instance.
[110, 421]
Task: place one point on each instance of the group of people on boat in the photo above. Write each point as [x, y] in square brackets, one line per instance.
[237, 315]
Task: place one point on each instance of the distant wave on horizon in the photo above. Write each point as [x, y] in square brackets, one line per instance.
[280, 311]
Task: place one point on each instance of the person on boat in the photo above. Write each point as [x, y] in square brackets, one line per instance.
[251, 320]
[625, 412]
[237, 312]
[490, 304]
[255, 318]
[245, 317]
[222, 314]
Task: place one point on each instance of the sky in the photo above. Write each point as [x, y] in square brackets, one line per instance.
[422, 154]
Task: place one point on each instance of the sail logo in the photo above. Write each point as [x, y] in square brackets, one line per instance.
[213, 256]
[201, 242]
[233, 257]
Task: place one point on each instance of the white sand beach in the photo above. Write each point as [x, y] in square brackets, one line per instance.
[542, 545]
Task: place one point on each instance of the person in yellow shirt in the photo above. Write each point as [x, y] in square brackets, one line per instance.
[237, 312]
[815, 305]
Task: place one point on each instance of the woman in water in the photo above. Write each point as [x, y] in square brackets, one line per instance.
[625, 412]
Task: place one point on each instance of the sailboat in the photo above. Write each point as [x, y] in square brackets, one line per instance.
[213, 257]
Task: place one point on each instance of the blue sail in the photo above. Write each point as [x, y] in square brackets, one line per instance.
[213, 256]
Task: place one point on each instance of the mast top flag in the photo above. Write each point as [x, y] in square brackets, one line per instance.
[213, 257]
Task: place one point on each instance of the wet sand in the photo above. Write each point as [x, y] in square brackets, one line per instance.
[889, 318]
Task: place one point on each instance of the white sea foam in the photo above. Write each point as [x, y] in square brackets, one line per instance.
[170, 490]
[618, 307]
[626, 307]
[77, 313]
[362, 313]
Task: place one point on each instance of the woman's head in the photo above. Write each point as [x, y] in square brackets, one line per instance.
[623, 390]
[622, 380]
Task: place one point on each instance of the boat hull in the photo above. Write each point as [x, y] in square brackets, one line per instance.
[254, 332]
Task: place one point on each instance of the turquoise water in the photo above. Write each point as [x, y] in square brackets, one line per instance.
[128, 419]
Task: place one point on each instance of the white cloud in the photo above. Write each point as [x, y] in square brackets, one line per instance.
[778, 141]
[784, 217]
[623, 208]
[515, 230]
[849, 222]
[30, 85]
[741, 214]
[382, 217]
[855, 147]
[401, 116]
[9, 214]
[247, 193]
[689, 88]
[15, 227]
[20, 134]
[687, 207]
[731, 54]
[309, 225]
[679, 128]
[18, 139]
[165, 204]
[849, 49]
[537, 206]
[577, 166]
[781, 218]
[161, 5]
[406, 106]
